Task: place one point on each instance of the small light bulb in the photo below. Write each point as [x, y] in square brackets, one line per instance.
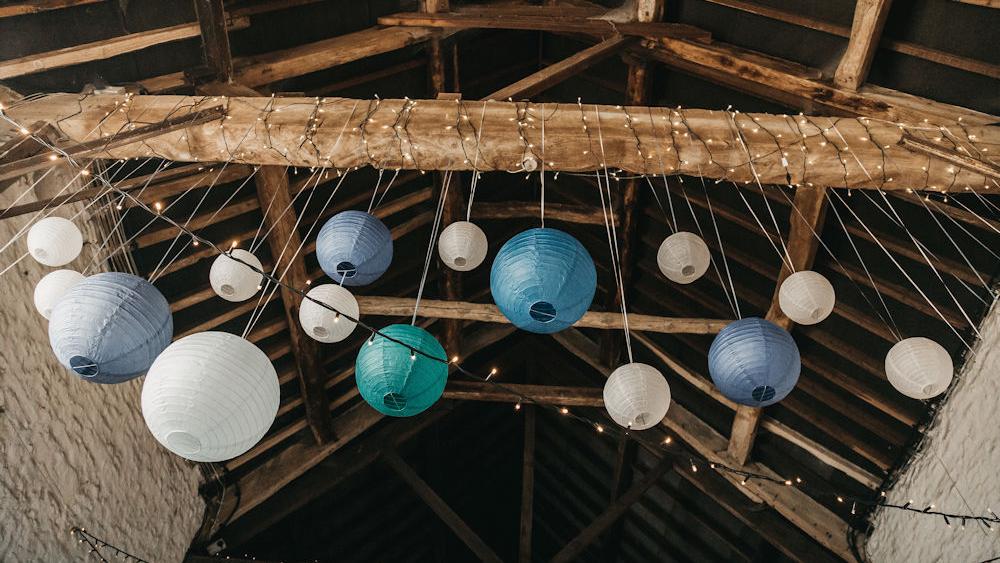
[563, 410]
[517, 406]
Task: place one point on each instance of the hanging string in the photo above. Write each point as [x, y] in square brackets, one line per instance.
[734, 302]
[475, 162]
[438, 213]
[543, 167]
[663, 174]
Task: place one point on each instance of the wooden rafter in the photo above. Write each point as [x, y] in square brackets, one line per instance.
[527, 486]
[621, 480]
[215, 38]
[36, 6]
[431, 145]
[869, 19]
[516, 392]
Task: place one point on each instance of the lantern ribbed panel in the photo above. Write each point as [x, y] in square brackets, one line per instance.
[806, 297]
[323, 324]
[637, 396]
[393, 382]
[54, 241]
[462, 246]
[233, 280]
[210, 396]
[543, 280]
[754, 362]
[354, 239]
[919, 368]
[51, 288]
[683, 257]
[110, 327]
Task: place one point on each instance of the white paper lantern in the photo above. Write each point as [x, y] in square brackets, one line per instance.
[683, 257]
[233, 280]
[54, 241]
[462, 246]
[323, 324]
[637, 396]
[51, 288]
[919, 368]
[210, 396]
[806, 297]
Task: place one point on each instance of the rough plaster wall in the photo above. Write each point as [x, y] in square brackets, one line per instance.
[964, 445]
[74, 453]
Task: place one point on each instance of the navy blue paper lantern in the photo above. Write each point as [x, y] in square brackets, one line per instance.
[754, 362]
[543, 280]
[354, 248]
[393, 378]
[110, 327]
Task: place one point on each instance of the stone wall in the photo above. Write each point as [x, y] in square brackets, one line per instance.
[956, 470]
[74, 453]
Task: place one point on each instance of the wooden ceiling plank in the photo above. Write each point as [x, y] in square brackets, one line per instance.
[569, 213]
[528, 394]
[527, 486]
[37, 6]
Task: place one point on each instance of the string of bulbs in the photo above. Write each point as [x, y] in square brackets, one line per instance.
[96, 544]
[694, 460]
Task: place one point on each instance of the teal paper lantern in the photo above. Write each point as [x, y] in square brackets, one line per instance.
[543, 280]
[395, 380]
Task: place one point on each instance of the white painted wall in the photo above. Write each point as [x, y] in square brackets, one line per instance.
[74, 453]
[961, 459]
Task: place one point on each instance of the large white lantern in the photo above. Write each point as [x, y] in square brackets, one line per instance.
[54, 241]
[323, 324]
[637, 396]
[462, 246]
[51, 288]
[210, 396]
[683, 257]
[806, 297]
[232, 280]
[919, 368]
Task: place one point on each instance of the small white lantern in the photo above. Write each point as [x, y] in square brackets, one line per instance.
[54, 241]
[683, 257]
[232, 280]
[806, 297]
[637, 396]
[210, 396]
[323, 324]
[919, 368]
[462, 246]
[51, 288]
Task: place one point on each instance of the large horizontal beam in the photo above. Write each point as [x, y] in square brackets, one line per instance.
[438, 135]
[519, 392]
[489, 313]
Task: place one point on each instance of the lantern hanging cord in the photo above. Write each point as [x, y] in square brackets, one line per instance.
[439, 213]
[475, 163]
[734, 303]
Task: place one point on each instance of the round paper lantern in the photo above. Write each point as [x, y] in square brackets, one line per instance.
[54, 241]
[323, 324]
[543, 280]
[210, 396]
[462, 246]
[637, 396]
[354, 248]
[394, 380]
[231, 279]
[919, 368]
[806, 297]
[754, 362]
[110, 327]
[51, 288]
[683, 257]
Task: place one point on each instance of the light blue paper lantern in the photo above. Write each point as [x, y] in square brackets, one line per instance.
[393, 379]
[110, 327]
[543, 280]
[754, 362]
[354, 247]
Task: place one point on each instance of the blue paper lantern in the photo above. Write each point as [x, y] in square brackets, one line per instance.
[110, 327]
[543, 280]
[754, 362]
[354, 248]
[395, 380]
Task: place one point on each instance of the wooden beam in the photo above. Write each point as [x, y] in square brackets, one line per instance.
[527, 486]
[983, 3]
[566, 212]
[959, 159]
[104, 49]
[616, 510]
[438, 148]
[555, 73]
[438, 505]
[869, 19]
[517, 392]
[272, 187]
[552, 22]
[489, 313]
[215, 38]
[37, 6]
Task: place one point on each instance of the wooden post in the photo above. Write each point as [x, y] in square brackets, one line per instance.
[272, 187]
[215, 38]
[869, 19]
